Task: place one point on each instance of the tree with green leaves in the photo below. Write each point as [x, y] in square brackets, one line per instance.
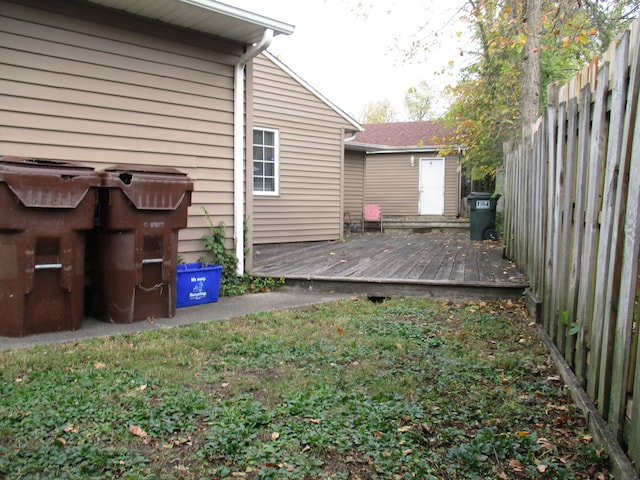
[378, 112]
[521, 47]
[418, 101]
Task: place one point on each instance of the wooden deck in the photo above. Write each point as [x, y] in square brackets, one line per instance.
[446, 265]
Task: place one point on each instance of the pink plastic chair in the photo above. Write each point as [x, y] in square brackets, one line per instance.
[371, 213]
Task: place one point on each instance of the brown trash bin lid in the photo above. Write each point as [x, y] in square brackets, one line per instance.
[42, 183]
[147, 187]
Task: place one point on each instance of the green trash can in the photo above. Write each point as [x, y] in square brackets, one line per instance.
[482, 215]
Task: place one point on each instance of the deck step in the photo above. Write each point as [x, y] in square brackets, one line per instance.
[425, 224]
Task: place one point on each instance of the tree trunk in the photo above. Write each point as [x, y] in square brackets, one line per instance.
[530, 95]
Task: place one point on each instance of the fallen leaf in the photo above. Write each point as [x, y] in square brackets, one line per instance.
[182, 441]
[224, 385]
[542, 468]
[137, 431]
[70, 429]
[142, 388]
[61, 442]
[275, 436]
[546, 444]
[315, 420]
[406, 428]
[99, 365]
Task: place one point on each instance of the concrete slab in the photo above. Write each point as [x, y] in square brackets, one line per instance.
[225, 308]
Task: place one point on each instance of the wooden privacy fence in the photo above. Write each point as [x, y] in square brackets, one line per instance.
[571, 224]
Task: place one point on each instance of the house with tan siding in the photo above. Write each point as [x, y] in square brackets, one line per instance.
[163, 83]
[188, 85]
[399, 166]
[298, 157]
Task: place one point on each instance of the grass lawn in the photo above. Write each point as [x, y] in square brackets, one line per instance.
[407, 388]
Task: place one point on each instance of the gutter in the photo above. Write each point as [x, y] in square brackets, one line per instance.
[238, 145]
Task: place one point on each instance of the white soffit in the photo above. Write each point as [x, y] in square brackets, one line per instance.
[207, 16]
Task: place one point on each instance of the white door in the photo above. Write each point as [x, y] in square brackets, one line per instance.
[431, 186]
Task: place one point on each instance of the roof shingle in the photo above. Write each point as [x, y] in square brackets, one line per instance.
[401, 134]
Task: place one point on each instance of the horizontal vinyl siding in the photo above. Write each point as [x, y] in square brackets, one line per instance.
[119, 90]
[308, 204]
[394, 184]
[354, 185]
[451, 186]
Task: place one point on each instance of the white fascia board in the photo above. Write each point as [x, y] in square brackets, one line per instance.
[228, 10]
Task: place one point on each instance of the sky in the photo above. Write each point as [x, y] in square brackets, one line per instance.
[353, 52]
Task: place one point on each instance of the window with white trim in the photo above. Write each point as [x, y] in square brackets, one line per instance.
[265, 161]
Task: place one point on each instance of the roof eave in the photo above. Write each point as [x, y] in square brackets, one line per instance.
[382, 149]
[205, 16]
[278, 27]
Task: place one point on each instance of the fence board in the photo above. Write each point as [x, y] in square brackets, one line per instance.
[608, 252]
[623, 331]
[584, 132]
[541, 200]
[593, 204]
[573, 208]
[551, 247]
[559, 263]
[630, 273]
[566, 307]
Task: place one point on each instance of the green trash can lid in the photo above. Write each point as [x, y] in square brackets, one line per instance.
[483, 195]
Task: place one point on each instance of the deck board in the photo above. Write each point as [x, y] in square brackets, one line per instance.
[450, 260]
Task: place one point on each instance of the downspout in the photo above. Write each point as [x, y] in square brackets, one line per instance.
[238, 145]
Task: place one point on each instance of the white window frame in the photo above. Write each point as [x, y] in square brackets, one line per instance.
[276, 162]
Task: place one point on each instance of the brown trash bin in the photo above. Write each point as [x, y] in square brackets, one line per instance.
[141, 209]
[47, 207]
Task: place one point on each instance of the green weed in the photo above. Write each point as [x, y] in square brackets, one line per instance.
[405, 389]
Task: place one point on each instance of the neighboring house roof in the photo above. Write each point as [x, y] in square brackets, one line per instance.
[401, 134]
[356, 126]
[400, 137]
[206, 16]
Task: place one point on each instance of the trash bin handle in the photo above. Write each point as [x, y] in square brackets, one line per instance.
[47, 266]
[151, 260]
